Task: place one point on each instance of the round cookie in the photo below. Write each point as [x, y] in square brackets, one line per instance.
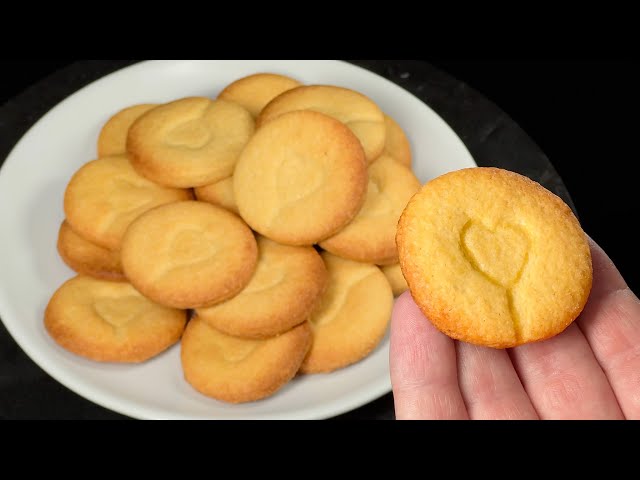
[397, 144]
[189, 254]
[355, 110]
[190, 142]
[493, 258]
[87, 258]
[110, 321]
[301, 178]
[219, 193]
[282, 293]
[352, 317]
[395, 278]
[113, 136]
[104, 196]
[370, 237]
[239, 370]
[255, 91]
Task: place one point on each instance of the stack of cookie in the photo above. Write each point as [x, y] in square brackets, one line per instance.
[267, 217]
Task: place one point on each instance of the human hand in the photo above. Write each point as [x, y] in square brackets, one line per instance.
[590, 371]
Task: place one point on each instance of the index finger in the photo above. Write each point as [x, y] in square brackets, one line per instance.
[423, 364]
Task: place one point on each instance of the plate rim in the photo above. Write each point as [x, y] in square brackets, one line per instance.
[132, 408]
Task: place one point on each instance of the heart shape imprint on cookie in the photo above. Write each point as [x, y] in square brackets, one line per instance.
[192, 134]
[499, 254]
[119, 311]
[298, 178]
[191, 246]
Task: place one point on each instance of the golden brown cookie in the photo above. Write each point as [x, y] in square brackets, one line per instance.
[370, 237]
[190, 142]
[301, 178]
[355, 110]
[113, 136]
[493, 258]
[352, 317]
[395, 278]
[219, 193]
[397, 144]
[239, 370]
[255, 91]
[87, 258]
[282, 293]
[110, 321]
[104, 196]
[189, 254]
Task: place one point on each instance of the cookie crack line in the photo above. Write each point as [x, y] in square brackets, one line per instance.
[508, 287]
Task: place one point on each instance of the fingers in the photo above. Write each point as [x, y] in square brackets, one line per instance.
[423, 367]
[563, 378]
[611, 324]
[490, 386]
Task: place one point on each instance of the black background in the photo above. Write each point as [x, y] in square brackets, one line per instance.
[580, 112]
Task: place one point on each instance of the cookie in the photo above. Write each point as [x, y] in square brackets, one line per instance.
[493, 258]
[189, 142]
[113, 136]
[219, 193]
[352, 317]
[189, 254]
[87, 258]
[395, 278]
[255, 91]
[370, 237]
[282, 293]
[355, 110]
[110, 321]
[104, 196]
[396, 142]
[239, 370]
[301, 178]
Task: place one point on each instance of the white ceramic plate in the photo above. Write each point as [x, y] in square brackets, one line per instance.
[32, 183]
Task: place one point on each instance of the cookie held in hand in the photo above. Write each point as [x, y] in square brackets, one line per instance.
[493, 258]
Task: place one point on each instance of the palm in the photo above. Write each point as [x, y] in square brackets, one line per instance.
[590, 371]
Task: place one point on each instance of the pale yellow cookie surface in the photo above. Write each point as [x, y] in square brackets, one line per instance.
[189, 254]
[104, 196]
[352, 317]
[113, 136]
[493, 258]
[219, 193]
[355, 110]
[301, 178]
[282, 293]
[110, 321]
[255, 91]
[395, 278]
[370, 236]
[240, 370]
[87, 258]
[397, 144]
[190, 142]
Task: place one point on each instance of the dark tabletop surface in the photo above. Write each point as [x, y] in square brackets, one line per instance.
[491, 136]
